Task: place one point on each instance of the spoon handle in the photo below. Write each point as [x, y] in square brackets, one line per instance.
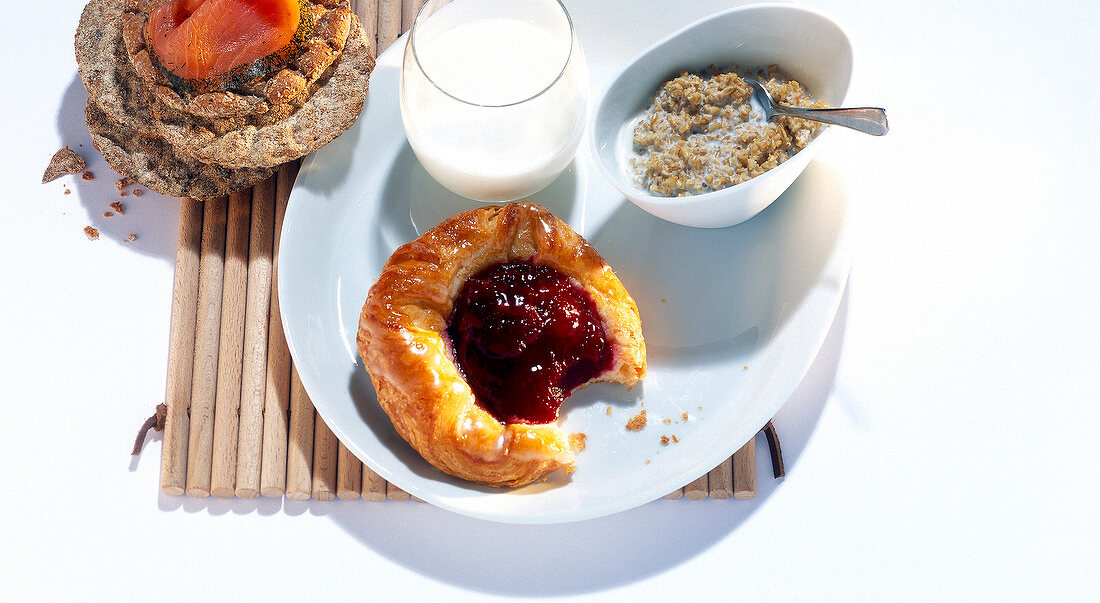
[869, 120]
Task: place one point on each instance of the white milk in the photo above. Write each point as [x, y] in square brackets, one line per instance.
[513, 148]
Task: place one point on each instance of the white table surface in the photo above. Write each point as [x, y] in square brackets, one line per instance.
[942, 446]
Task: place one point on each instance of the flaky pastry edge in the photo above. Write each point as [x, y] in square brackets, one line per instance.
[400, 339]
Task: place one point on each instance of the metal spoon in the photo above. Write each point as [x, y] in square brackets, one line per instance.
[869, 120]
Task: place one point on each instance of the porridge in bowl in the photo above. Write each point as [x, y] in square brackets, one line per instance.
[704, 133]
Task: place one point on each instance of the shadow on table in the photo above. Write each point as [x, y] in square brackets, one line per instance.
[151, 217]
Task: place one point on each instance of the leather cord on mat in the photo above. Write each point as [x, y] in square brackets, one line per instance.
[775, 450]
[155, 422]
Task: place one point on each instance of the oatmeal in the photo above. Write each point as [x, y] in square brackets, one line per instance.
[703, 134]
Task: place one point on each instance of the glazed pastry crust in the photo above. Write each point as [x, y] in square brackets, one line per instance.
[402, 343]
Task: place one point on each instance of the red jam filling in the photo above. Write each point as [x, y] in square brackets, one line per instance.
[526, 336]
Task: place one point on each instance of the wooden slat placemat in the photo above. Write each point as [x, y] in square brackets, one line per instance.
[239, 423]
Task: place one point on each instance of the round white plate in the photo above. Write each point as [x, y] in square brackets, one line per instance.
[732, 317]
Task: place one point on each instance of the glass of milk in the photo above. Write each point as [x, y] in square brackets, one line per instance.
[494, 94]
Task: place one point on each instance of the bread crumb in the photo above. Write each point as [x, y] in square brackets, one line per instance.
[91, 232]
[568, 470]
[122, 193]
[675, 439]
[637, 422]
[745, 368]
[684, 416]
[137, 192]
[67, 191]
[88, 175]
[131, 238]
[647, 461]
[577, 441]
[64, 161]
[609, 411]
[666, 420]
[107, 214]
[664, 440]
[123, 182]
[119, 208]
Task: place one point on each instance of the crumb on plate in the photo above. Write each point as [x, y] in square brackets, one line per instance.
[577, 441]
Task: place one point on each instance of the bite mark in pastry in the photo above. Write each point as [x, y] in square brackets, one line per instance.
[476, 332]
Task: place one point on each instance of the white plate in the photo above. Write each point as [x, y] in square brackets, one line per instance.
[733, 317]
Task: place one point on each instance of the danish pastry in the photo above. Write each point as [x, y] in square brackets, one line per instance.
[476, 332]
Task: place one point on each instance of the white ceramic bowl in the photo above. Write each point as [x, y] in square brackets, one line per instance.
[809, 47]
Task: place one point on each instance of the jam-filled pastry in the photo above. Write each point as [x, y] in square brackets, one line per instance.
[476, 332]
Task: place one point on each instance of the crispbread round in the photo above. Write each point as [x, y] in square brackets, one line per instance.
[154, 164]
[121, 94]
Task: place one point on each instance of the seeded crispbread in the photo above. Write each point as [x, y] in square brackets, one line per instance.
[155, 164]
[171, 150]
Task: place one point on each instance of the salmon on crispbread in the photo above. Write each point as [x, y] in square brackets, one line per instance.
[217, 93]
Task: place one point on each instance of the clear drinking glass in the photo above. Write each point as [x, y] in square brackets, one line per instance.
[494, 94]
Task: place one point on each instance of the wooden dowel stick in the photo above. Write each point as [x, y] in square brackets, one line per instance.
[256, 320]
[367, 11]
[677, 493]
[744, 471]
[325, 454]
[389, 23]
[208, 317]
[273, 467]
[374, 487]
[408, 13]
[227, 407]
[349, 474]
[299, 453]
[720, 480]
[181, 348]
[395, 493]
[697, 490]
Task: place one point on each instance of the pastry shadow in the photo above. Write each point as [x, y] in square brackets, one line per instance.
[152, 217]
[602, 394]
[366, 404]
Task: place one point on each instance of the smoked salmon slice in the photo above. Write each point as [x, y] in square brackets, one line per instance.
[203, 39]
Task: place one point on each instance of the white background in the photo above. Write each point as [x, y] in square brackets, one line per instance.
[942, 446]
